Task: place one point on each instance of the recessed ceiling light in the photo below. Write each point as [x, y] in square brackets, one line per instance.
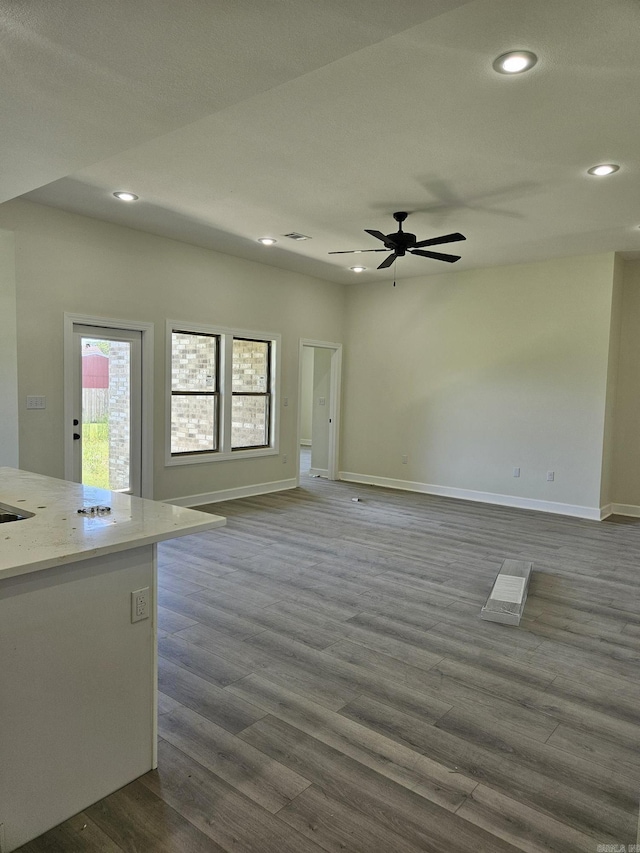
[358, 269]
[515, 61]
[603, 169]
[126, 196]
[267, 241]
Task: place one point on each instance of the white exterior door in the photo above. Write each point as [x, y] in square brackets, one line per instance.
[107, 408]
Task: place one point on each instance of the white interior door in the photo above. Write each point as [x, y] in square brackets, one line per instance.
[107, 408]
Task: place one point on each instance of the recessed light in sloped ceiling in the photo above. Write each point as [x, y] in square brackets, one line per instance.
[515, 62]
[603, 169]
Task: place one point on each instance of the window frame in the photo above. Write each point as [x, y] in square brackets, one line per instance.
[215, 393]
[225, 390]
[268, 394]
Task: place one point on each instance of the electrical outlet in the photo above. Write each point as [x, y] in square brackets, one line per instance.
[516, 472]
[285, 402]
[405, 458]
[550, 476]
[140, 604]
[284, 459]
[321, 401]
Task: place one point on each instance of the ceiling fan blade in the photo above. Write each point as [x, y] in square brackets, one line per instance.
[356, 251]
[437, 256]
[379, 236]
[435, 241]
[388, 261]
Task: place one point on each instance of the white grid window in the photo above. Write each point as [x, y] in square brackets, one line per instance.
[221, 394]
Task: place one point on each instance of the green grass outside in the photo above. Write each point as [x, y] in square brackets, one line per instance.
[95, 455]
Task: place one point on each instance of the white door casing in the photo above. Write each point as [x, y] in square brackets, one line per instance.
[138, 342]
[334, 398]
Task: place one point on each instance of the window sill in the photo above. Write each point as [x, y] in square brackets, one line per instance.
[200, 458]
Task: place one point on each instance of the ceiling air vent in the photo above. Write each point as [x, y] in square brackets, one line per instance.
[295, 236]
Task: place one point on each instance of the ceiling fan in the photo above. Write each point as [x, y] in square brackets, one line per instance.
[402, 242]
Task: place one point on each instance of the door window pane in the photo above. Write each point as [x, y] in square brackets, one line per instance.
[106, 413]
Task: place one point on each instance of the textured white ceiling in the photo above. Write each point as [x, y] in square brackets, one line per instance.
[235, 120]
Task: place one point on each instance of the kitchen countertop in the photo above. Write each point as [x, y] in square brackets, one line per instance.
[57, 534]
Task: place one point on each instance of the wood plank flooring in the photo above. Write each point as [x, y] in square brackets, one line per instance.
[326, 684]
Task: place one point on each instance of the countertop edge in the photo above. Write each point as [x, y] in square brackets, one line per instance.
[54, 532]
[112, 548]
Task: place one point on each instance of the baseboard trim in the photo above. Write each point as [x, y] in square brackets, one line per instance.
[625, 509]
[318, 472]
[573, 510]
[606, 511]
[232, 494]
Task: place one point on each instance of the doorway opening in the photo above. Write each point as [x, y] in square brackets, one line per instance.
[320, 367]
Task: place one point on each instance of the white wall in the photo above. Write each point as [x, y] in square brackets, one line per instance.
[8, 354]
[469, 373]
[66, 262]
[474, 373]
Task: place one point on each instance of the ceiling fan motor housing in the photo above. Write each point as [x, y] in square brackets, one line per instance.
[401, 240]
